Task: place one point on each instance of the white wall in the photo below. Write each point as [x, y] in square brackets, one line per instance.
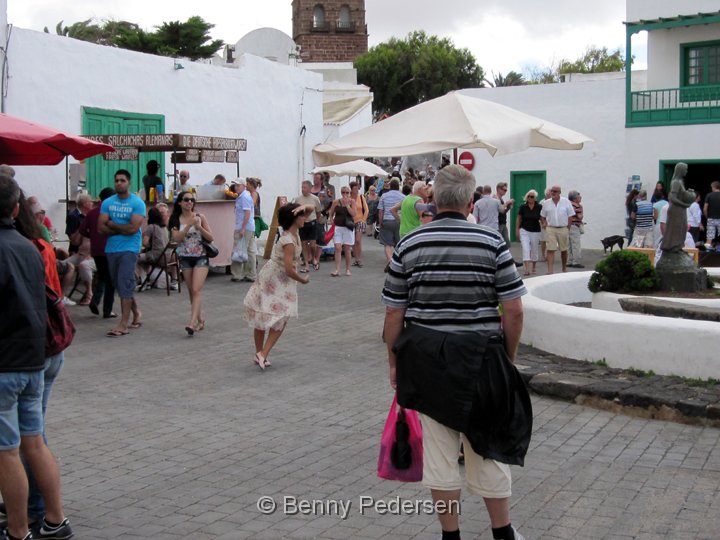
[52, 77]
[664, 52]
[653, 9]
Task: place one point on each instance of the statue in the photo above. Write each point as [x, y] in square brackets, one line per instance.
[680, 199]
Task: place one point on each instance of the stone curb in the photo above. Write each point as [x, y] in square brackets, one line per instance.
[649, 396]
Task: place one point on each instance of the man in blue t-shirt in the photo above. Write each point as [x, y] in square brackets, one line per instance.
[120, 219]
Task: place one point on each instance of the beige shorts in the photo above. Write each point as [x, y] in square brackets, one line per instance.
[441, 470]
[557, 238]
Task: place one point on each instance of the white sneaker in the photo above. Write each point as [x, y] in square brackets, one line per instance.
[173, 286]
[68, 302]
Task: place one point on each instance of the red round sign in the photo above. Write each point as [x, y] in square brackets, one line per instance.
[467, 160]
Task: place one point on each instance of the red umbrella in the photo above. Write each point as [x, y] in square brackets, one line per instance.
[27, 143]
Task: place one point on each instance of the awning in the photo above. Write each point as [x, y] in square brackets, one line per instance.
[338, 112]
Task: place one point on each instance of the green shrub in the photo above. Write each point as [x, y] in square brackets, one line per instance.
[624, 271]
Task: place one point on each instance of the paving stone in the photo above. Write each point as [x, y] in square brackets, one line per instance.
[561, 385]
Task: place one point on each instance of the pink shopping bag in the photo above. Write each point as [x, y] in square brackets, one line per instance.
[401, 450]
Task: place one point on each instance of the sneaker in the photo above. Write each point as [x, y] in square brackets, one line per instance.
[68, 302]
[61, 532]
[174, 286]
[5, 535]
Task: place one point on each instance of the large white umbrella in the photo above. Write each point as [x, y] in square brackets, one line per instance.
[352, 168]
[454, 120]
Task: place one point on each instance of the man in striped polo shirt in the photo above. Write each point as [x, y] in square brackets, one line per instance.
[643, 215]
[447, 279]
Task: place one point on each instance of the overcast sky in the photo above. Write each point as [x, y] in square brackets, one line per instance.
[503, 35]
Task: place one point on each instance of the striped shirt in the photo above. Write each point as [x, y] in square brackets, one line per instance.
[450, 275]
[387, 201]
[643, 215]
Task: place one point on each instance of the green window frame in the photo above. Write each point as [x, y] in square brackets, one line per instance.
[700, 63]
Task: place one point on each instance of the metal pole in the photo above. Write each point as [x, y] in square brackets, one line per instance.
[67, 185]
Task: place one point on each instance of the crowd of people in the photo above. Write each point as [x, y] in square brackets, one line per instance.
[446, 278]
[646, 218]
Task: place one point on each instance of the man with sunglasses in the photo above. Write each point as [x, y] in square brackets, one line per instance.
[120, 219]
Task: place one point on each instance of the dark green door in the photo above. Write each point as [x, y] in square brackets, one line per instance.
[99, 172]
[520, 183]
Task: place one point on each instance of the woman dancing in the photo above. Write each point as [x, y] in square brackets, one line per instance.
[272, 299]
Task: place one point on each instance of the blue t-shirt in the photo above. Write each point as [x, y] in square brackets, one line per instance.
[121, 211]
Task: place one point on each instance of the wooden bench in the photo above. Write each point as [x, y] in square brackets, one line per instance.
[650, 253]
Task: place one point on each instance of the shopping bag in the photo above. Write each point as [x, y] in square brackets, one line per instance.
[329, 234]
[239, 252]
[401, 451]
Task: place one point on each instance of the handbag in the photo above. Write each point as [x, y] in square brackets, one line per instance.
[211, 249]
[60, 328]
[401, 450]
[349, 222]
[239, 252]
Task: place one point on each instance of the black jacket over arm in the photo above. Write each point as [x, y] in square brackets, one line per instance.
[466, 382]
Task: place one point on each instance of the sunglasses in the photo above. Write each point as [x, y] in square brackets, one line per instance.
[185, 199]
[531, 196]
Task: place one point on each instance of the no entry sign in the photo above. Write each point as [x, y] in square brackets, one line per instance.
[467, 160]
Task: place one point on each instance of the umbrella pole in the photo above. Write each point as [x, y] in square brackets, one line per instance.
[67, 185]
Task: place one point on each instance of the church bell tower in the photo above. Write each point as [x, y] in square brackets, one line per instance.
[330, 30]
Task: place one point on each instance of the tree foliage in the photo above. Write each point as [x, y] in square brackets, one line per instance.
[593, 60]
[404, 72]
[513, 78]
[187, 39]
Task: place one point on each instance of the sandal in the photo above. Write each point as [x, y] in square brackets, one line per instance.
[85, 301]
[190, 330]
[200, 325]
[348, 273]
[304, 270]
[316, 265]
[135, 325]
[335, 274]
[116, 333]
[260, 361]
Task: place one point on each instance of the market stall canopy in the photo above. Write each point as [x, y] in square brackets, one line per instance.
[454, 120]
[352, 168]
[27, 143]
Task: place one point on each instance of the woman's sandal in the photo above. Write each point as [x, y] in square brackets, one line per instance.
[260, 361]
[190, 330]
[304, 270]
[335, 274]
[200, 325]
[316, 265]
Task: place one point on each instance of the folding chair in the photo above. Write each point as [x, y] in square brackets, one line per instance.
[166, 261]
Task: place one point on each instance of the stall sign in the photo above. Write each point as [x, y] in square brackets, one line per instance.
[121, 154]
[231, 156]
[213, 156]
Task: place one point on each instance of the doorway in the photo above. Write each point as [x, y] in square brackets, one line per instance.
[520, 183]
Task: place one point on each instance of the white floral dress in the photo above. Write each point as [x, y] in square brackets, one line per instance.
[272, 299]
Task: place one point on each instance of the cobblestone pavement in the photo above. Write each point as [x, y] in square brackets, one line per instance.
[163, 436]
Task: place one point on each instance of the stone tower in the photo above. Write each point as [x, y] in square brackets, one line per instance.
[330, 30]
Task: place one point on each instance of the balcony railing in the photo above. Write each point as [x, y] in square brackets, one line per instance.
[345, 26]
[684, 105]
[320, 26]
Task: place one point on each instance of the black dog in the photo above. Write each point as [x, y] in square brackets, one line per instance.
[612, 241]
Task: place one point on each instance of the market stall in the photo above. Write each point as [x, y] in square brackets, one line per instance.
[188, 149]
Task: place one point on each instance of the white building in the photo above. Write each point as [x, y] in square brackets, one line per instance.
[642, 124]
[83, 88]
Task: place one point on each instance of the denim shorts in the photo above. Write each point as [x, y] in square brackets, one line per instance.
[21, 413]
[122, 272]
[188, 263]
